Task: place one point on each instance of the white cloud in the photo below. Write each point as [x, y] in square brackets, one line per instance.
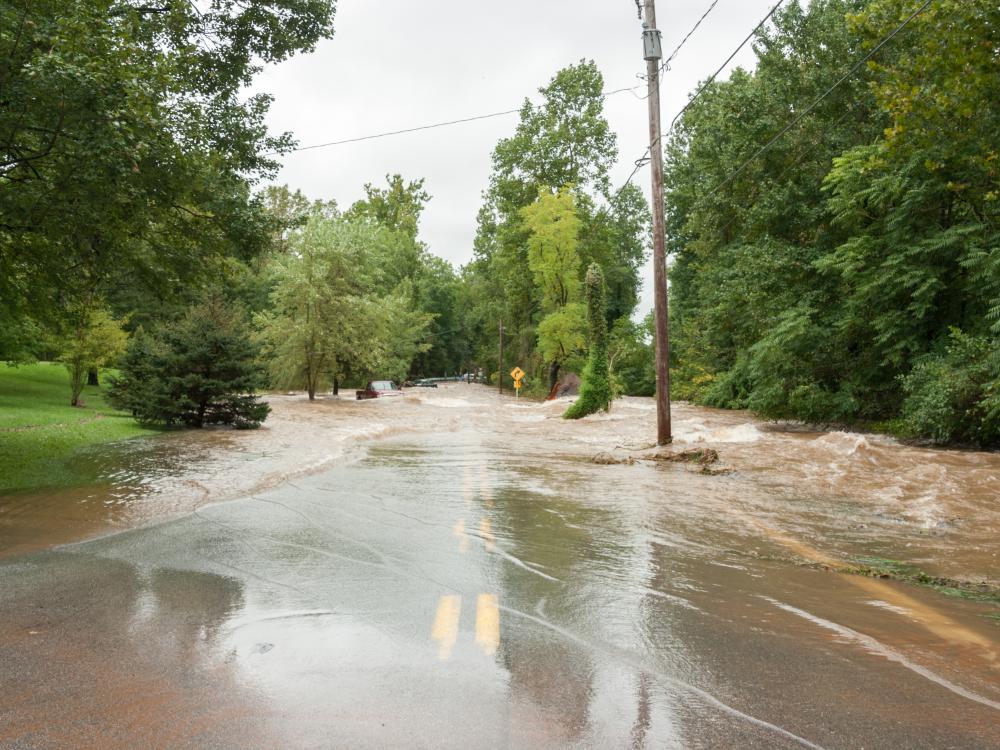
[395, 64]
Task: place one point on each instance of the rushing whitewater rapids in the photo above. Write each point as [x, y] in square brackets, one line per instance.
[851, 494]
[452, 568]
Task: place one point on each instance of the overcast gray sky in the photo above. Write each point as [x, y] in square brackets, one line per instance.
[394, 64]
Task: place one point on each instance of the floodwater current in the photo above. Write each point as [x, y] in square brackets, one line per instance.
[452, 568]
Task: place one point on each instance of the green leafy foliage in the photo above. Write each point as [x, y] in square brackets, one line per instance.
[814, 282]
[95, 341]
[595, 386]
[954, 394]
[128, 144]
[631, 357]
[547, 215]
[562, 335]
[553, 228]
[337, 311]
[201, 370]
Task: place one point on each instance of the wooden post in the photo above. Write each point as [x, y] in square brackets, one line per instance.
[500, 360]
[663, 431]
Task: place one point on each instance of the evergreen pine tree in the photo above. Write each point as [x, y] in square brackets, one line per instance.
[201, 370]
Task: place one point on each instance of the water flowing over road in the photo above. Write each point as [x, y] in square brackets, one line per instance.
[453, 569]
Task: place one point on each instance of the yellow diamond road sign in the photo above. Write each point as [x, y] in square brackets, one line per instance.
[517, 373]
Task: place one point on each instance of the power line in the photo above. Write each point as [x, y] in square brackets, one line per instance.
[739, 170]
[729, 59]
[428, 127]
[641, 161]
[672, 55]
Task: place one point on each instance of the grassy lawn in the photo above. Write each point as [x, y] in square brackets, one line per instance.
[40, 432]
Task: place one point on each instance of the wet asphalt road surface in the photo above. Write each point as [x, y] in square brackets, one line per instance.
[458, 591]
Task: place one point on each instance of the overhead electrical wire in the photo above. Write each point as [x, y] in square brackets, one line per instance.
[491, 115]
[854, 68]
[641, 161]
[722, 67]
[687, 36]
[431, 126]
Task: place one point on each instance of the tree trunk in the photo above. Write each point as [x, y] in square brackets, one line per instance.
[200, 421]
[92, 377]
[336, 386]
[553, 375]
[312, 392]
[75, 384]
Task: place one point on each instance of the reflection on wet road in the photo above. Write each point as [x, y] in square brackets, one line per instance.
[478, 587]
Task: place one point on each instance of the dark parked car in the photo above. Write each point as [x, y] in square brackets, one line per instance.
[379, 389]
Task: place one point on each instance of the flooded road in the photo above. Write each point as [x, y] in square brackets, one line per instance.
[473, 578]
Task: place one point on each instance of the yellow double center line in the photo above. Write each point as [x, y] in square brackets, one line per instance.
[449, 611]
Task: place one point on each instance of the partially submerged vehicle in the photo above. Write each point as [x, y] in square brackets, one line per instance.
[379, 389]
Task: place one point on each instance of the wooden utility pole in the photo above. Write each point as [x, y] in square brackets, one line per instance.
[500, 360]
[653, 54]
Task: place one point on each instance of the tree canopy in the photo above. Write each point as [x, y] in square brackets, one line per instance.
[547, 214]
[127, 146]
[851, 268]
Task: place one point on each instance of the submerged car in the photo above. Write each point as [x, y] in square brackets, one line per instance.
[379, 389]
[425, 383]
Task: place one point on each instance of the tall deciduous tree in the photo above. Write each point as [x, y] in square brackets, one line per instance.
[128, 145]
[321, 323]
[563, 141]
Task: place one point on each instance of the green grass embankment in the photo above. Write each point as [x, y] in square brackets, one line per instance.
[40, 433]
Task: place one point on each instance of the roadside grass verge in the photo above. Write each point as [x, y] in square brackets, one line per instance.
[877, 567]
[40, 432]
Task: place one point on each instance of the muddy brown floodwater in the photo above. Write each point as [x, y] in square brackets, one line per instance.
[451, 568]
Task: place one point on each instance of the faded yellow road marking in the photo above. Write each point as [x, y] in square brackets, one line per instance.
[467, 485]
[486, 532]
[484, 491]
[459, 531]
[488, 623]
[445, 629]
[931, 619]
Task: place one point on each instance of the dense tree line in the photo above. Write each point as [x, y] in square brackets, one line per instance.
[130, 206]
[851, 272]
[128, 149]
[847, 273]
[548, 213]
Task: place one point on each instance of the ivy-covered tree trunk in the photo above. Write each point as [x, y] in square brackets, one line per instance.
[595, 388]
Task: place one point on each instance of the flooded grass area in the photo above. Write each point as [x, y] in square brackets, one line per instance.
[41, 435]
[130, 483]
